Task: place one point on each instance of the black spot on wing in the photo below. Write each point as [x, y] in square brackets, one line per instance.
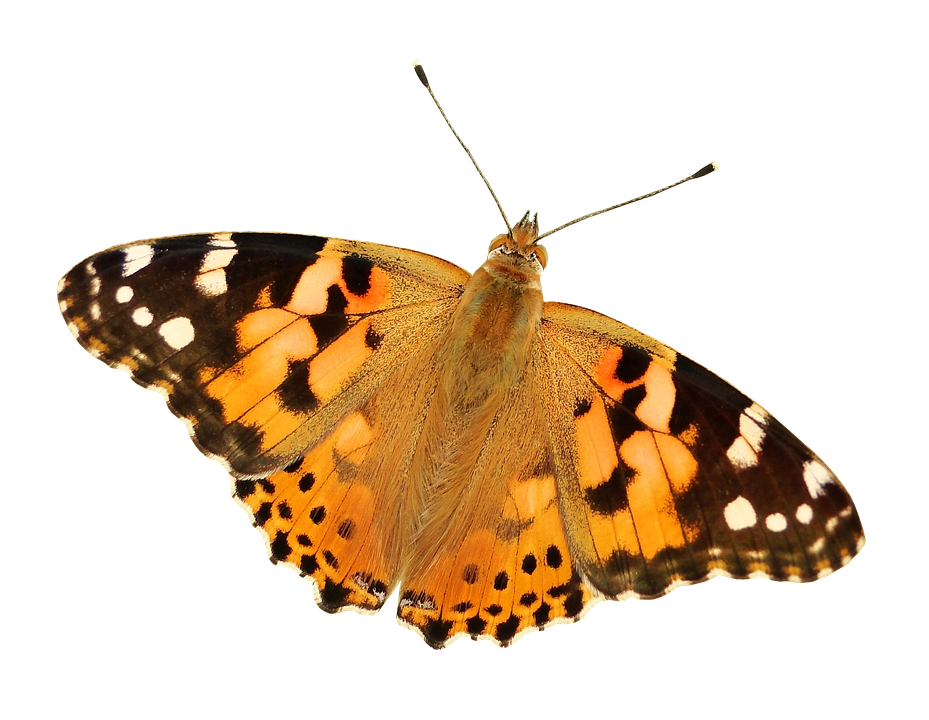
[529, 563]
[543, 614]
[506, 630]
[333, 322]
[332, 596]
[623, 424]
[356, 271]
[306, 482]
[632, 365]
[308, 564]
[436, 632]
[295, 392]
[633, 396]
[553, 557]
[581, 407]
[610, 495]
[373, 339]
[501, 580]
[280, 548]
[475, 625]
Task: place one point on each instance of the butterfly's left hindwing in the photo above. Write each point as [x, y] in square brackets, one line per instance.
[261, 342]
[668, 475]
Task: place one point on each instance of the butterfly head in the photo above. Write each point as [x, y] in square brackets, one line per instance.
[521, 246]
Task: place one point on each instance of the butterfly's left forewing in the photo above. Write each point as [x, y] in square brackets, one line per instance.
[261, 342]
[667, 475]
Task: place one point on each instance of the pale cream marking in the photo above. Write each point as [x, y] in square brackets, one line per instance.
[95, 285]
[860, 544]
[177, 332]
[756, 554]
[124, 294]
[142, 317]
[751, 430]
[823, 573]
[62, 305]
[816, 476]
[90, 269]
[212, 283]
[311, 295]
[74, 330]
[740, 514]
[741, 454]
[758, 574]
[715, 552]
[847, 512]
[817, 546]
[832, 524]
[95, 310]
[137, 257]
[222, 239]
[776, 522]
[216, 259]
[61, 285]
[655, 410]
[804, 514]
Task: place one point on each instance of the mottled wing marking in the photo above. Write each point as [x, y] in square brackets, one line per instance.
[667, 475]
[261, 342]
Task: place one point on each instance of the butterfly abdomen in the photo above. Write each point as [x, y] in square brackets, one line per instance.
[482, 362]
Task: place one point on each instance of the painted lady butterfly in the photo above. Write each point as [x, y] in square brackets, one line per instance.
[390, 420]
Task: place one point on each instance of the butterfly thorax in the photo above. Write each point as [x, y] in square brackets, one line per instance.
[482, 361]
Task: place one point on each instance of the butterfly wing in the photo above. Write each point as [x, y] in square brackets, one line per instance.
[261, 342]
[667, 475]
[297, 361]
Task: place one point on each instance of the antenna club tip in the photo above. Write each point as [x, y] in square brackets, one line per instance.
[420, 71]
[705, 170]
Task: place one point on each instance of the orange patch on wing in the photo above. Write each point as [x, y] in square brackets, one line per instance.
[311, 295]
[258, 374]
[650, 492]
[605, 373]
[596, 449]
[332, 370]
[258, 326]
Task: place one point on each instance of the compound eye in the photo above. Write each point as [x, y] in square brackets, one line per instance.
[541, 254]
[497, 242]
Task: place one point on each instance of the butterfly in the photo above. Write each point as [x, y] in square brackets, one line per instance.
[391, 421]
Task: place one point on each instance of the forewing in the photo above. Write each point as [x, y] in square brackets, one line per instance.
[668, 475]
[261, 342]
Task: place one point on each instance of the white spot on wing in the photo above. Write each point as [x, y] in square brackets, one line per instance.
[137, 257]
[94, 285]
[212, 283]
[61, 285]
[95, 310]
[740, 514]
[74, 330]
[804, 514]
[62, 305]
[741, 454]
[90, 269]
[142, 317]
[751, 429]
[222, 239]
[178, 332]
[124, 294]
[816, 476]
[216, 259]
[776, 522]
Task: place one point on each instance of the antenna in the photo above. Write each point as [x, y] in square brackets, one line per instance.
[421, 74]
[708, 169]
